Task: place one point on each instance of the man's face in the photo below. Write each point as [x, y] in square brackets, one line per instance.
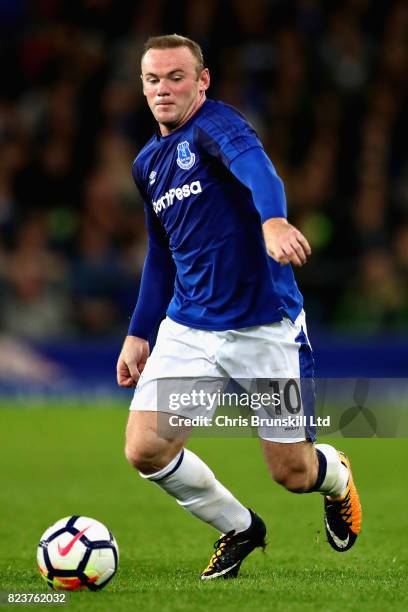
[171, 85]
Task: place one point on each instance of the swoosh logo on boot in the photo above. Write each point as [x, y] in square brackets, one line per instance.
[64, 550]
[340, 543]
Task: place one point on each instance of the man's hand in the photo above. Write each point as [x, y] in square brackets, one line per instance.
[285, 243]
[131, 362]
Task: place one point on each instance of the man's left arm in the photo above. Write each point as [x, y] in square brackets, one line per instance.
[284, 242]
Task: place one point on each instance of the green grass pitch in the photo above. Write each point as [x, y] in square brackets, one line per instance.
[57, 461]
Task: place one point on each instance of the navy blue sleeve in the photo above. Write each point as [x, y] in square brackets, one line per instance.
[254, 169]
[225, 134]
[157, 283]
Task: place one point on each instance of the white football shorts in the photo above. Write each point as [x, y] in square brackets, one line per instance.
[276, 358]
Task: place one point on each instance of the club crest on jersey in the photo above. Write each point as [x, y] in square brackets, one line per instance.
[185, 158]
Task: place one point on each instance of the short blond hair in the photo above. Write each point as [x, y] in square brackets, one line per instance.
[172, 41]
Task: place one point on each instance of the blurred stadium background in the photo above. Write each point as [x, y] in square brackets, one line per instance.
[324, 83]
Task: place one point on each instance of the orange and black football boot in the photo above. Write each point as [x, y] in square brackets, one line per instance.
[342, 515]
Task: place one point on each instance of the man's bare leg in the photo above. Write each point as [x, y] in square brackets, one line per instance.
[182, 474]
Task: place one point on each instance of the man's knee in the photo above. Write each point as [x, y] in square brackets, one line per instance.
[143, 458]
[294, 476]
[292, 466]
[145, 449]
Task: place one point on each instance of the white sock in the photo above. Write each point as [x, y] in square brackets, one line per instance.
[195, 487]
[337, 475]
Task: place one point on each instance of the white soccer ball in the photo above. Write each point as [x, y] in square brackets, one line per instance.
[77, 553]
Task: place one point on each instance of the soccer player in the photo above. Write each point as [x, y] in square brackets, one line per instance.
[218, 268]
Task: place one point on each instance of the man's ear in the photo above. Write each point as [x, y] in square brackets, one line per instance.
[141, 78]
[205, 79]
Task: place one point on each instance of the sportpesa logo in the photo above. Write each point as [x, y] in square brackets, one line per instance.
[178, 193]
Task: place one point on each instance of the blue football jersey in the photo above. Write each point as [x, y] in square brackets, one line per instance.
[224, 276]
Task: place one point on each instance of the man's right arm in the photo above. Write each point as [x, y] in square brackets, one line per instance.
[156, 291]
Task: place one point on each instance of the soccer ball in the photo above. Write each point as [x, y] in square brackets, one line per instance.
[77, 553]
